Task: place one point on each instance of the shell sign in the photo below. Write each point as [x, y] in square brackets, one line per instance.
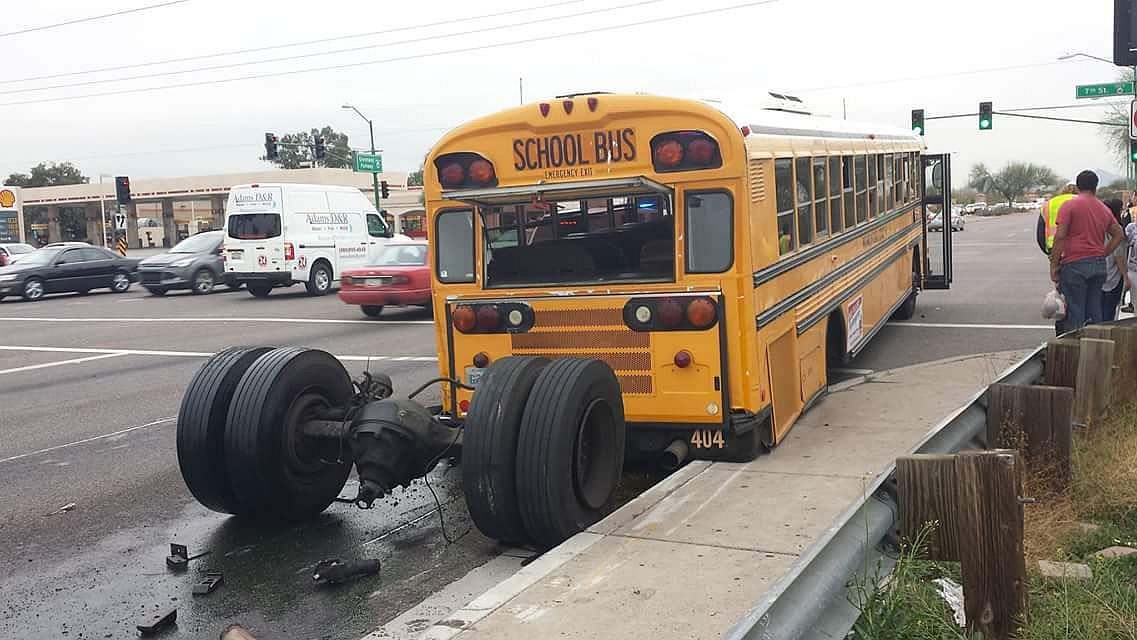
[7, 198]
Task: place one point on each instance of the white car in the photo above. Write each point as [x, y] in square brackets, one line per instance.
[277, 235]
[975, 207]
[11, 251]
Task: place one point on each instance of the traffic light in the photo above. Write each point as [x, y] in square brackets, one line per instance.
[1133, 151]
[384, 190]
[321, 148]
[985, 119]
[122, 189]
[270, 147]
[918, 121]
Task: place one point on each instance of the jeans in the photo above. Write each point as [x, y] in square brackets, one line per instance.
[1110, 300]
[1080, 282]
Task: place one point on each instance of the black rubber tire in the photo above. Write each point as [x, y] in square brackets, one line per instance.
[260, 290]
[908, 308]
[266, 485]
[489, 447]
[115, 287]
[156, 291]
[371, 310]
[194, 278]
[201, 426]
[552, 505]
[33, 297]
[312, 285]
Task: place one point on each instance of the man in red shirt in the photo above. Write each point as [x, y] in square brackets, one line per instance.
[1077, 261]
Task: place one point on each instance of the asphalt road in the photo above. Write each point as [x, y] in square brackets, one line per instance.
[92, 495]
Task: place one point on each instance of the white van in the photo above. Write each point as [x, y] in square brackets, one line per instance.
[277, 235]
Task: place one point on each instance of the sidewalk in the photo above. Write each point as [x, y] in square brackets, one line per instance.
[689, 557]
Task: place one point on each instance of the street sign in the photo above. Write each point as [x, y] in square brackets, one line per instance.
[120, 221]
[368, 163]
[1105, 90]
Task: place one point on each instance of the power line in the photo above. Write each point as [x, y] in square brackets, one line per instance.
[948, 74]
[92, 18]
[301, 56]
[417, 56]
[234, 52]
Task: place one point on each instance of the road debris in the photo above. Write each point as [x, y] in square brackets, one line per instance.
[179, 557]
[64, 509]
[158, 622]
[334, 571]
[208, 584]
[235, 632]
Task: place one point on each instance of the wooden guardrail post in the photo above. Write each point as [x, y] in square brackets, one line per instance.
[1093, 383]
[1037, 421]
[1124, 356]
[926, 489]
[1062, 362]
[992, 559]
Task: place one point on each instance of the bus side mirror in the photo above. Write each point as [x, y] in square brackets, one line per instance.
[938, 176]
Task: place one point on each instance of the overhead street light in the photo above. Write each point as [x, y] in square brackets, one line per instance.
[1079, 54]
[374, 176]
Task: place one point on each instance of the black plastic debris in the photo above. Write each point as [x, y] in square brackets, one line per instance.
[208, 584]
[158, 622]
[334, 571]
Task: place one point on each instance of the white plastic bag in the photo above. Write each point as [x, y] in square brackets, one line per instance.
[1054, 306]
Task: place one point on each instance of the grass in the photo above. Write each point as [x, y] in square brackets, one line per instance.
[908, 606]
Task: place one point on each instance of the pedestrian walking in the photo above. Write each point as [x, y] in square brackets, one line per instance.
[1117, 278]
[1131, 262]
[1076, 258]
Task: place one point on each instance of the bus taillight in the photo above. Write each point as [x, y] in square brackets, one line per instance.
[465, 170]
[684, 151]
[505, 317]
[671, 314]
[701, 313]
[465, 319]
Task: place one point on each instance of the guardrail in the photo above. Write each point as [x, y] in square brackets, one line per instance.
[811, 601]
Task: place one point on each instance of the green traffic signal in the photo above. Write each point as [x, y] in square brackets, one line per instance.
[918, 121]
[1133, 150]
[985, 116]
[984, 124]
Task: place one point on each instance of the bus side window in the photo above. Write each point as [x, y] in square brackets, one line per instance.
[847, 190]
[835, 194]
[861, 178]
[820, 197]
[803, 195]
[784, 189]
[886, 178]
[874, 187]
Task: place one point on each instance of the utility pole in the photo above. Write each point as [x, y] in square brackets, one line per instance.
[374, 176]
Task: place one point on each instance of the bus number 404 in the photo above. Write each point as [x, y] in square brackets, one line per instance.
[707, 438]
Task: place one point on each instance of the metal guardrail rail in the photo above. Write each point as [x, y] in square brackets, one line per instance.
[812, 601]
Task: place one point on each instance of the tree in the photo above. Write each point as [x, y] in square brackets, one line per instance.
[1116, 131]
[966, 195]
[47, 174]
[295, 150]
[414, 178]
[1013, 180]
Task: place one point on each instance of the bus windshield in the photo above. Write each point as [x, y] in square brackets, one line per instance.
[617, 238]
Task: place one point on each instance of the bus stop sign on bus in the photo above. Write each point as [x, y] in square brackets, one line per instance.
[368, 163]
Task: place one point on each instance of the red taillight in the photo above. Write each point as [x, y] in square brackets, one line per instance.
[400, 280]
[465, 319]
[345, 279]
[701, 313]
[289, 251]
[463, 405]
[481, 171]
[670, 314]
[745, 130]
[683, 359]
[452, 175]
[489, 318]
[669, 154]
[481, 360]
[700, 151]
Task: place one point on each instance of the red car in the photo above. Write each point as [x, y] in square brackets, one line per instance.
[401, 277]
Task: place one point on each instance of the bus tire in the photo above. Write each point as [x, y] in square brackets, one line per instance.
[275, 472]
[570, 452]
[319, 279]
[201, 426]
[489, 447]
[907, 309]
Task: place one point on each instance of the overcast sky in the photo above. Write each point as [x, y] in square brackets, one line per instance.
[882, 57]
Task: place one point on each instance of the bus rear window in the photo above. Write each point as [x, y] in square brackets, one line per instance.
[601, 239]
[254, 226]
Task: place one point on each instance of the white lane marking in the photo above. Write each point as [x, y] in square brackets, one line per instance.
[45, 365]
[218, 320]
[120, 432]
[852, 372]
[197, 354]
[951, 325]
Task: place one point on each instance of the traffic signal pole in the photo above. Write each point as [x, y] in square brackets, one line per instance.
[374, 176]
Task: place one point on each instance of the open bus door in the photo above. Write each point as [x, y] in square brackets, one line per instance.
[936, 179]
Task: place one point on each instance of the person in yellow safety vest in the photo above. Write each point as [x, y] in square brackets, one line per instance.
[1048, 217]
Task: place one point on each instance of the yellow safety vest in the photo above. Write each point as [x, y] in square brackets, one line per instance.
[1051, 209]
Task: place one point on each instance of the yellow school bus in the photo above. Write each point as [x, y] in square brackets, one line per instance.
[621, 276]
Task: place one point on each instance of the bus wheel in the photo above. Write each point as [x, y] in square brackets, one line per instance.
[570, 453]
[907, 309]
[276, 472]
[489, 447]
[201, 426]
